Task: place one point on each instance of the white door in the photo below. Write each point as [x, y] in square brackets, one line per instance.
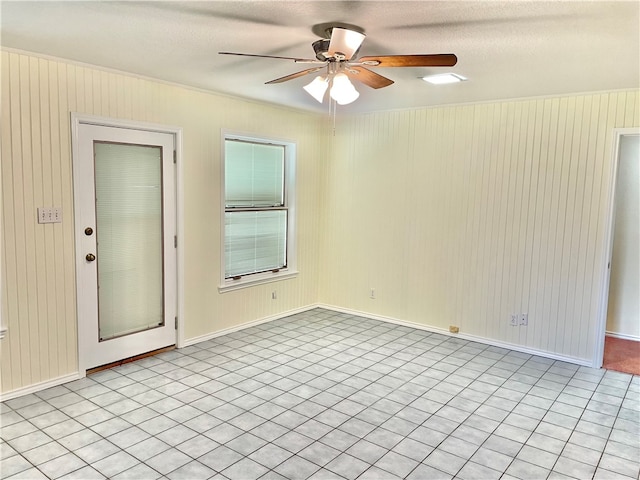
[125, 220]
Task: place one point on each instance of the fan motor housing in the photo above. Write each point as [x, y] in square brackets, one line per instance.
[321, 47]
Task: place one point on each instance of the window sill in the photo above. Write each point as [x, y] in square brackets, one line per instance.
[258, 279]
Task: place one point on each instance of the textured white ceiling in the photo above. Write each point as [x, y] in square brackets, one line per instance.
[507, 49]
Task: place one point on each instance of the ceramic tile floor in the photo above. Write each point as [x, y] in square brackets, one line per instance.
[324, 395]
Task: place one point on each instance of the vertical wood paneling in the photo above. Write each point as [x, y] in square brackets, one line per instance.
[39, 303]
[543, 121]
[48, 278]
[8, 270]
[455, 215]
[601, 139]
[500, 209]
[21, 172]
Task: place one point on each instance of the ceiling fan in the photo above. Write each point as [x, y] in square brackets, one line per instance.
[336, 56]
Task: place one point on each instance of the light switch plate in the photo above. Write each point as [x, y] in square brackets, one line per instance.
[49, 215]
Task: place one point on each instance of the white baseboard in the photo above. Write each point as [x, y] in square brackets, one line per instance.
[243, 326]
[623, 336]
[36, 387]
[473, 338]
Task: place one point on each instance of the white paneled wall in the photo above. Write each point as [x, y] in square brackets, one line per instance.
[457, 215]
[464, 215]
[38, 288]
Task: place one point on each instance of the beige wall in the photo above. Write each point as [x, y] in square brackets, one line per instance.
[464, 215]
[39, 304]
[455, 215]
[623, 317]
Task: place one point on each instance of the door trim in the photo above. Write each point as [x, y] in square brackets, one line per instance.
[601, 326]
[76, 120]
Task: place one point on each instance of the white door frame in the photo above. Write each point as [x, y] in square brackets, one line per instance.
[76, 120]
[601, 329]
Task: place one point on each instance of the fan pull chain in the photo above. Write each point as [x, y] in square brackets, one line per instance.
[335, 106]
[332, 114]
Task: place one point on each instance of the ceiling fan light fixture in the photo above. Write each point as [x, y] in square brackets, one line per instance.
[444, 78]
[342, 90]
[317, 87]
[338, 56]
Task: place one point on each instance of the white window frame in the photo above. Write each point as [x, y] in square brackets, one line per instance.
[290, 271]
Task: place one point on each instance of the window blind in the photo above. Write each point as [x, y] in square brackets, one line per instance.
[128, 183]
[255, 208]
[254, 174]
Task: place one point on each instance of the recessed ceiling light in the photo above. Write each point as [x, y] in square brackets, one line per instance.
[444, 78]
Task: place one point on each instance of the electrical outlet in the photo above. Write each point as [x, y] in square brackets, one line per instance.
[372, 294]
[524, 319]
[514, 320]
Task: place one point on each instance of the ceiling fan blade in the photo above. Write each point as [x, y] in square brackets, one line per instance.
[440, 60]
[368, 77]
[297, 60]
[214, 10]
[346, 42]
[295, 75]
[486, 22]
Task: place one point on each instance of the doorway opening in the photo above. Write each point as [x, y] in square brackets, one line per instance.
[621, 317]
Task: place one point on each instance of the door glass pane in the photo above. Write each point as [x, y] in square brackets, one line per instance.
[129, 238]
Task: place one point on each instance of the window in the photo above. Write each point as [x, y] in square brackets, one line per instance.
[258, 228]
